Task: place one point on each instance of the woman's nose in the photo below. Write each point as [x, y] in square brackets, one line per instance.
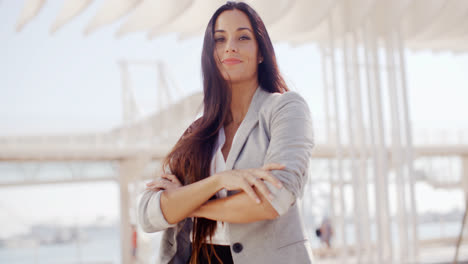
[231, 47]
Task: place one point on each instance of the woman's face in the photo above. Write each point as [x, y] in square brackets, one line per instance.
[236, 49]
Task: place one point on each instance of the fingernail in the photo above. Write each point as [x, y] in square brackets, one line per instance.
[258, 200]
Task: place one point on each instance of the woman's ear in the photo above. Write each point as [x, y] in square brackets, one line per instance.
[260, 59]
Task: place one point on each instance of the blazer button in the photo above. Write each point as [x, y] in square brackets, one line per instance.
[237, 247]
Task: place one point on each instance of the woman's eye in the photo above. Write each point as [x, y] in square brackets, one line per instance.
[244, 38]
[219, 39]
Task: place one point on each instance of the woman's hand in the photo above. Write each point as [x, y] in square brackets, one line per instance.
[165, 182]
[246, 179]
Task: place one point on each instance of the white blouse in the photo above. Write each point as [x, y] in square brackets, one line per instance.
[218, 164]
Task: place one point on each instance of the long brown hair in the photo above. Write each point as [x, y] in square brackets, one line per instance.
[190, 158]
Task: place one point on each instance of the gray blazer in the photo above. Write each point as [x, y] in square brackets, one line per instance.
[277, 128]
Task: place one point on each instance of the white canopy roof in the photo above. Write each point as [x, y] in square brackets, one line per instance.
[424, 24]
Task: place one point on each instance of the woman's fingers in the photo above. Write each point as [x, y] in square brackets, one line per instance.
[266, 175]
[262, 188]
[250, 191]
[269, 177]
[256, 180]
[158, 183]
[273, 166]
[171, 177]
[167, 176]
[151, 183]
[248, 178]
[154, 189]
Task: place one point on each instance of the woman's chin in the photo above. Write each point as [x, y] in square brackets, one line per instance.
[237, 78]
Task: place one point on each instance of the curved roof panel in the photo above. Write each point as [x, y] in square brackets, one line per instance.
[424, 24]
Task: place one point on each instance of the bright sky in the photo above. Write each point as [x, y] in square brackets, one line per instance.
[69, 83]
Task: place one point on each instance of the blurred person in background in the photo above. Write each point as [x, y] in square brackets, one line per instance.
[325, 232]
[134, 243]
[232, 180]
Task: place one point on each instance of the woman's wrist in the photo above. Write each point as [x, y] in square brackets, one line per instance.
[217, 181]
[197, 213]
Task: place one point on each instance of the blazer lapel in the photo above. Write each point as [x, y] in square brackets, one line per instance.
[249, 122]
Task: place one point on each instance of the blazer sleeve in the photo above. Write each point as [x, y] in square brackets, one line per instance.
[291, 144]
[150, 215]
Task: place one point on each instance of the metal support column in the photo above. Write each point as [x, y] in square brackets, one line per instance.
[396, 148]
[349, 84]
[362, 150]
[465, 215]
[130, 170]
[125, 228]
[409, 156]
[338, 144]
[382, 156]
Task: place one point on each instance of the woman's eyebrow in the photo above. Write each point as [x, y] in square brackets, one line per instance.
[239, 29]
[244, 28]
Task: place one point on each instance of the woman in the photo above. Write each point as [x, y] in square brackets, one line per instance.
[237, 171]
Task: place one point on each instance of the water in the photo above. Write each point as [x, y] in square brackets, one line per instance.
[101, 246]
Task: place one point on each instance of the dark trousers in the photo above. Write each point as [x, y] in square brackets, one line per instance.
[223, 252]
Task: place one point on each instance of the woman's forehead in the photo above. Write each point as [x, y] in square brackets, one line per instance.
[232, 20]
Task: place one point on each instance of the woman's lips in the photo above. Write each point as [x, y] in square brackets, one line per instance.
[231, 61]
